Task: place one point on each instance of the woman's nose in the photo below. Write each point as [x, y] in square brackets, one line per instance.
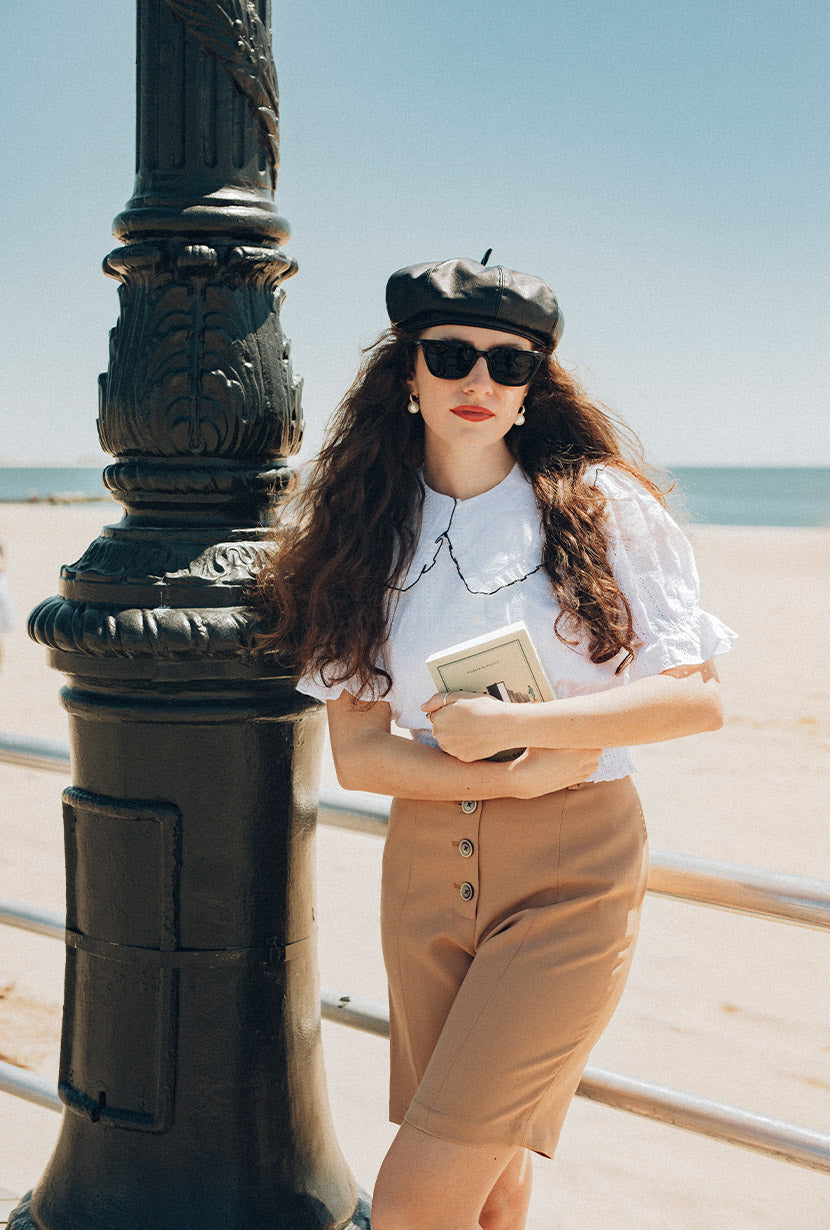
[479, 375]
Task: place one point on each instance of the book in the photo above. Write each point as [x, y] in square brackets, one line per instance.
[503, 664]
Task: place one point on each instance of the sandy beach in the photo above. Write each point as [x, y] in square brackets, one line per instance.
[717, 1004]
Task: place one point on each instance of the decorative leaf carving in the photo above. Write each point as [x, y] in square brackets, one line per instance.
[199, 366]
[233, 34]
[161, 632]
[172, 561]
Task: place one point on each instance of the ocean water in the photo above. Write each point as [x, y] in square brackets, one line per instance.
[753, 495]
[717, 495]
[19, 484]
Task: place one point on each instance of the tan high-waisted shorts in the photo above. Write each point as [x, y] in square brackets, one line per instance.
[508, 930]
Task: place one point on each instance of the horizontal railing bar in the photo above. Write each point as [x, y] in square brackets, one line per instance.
[743, 890]
[29, 1086]
[42, 922]
[362, 1014]
[773, 1137]
[760, 1133]
[353, 810]
[34, 753]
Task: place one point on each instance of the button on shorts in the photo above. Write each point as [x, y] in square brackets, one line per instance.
[508, 931]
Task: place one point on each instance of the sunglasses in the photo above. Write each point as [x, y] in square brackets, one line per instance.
[453, 360]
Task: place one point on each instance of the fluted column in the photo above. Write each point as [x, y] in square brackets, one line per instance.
[191, 1064]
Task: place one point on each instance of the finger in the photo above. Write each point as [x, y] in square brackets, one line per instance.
[434, 702]
[452, 698]
[445, 699]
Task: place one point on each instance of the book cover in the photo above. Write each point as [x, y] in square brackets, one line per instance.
[503, 663]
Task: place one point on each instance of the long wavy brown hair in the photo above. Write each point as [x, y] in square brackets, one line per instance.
[327, 594]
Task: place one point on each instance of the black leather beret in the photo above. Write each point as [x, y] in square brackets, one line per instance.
[466, 293]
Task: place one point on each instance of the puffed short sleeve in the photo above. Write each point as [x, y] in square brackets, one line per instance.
[310, 684]
[654, 566]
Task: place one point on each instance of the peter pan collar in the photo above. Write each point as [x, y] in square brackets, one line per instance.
[493, 539]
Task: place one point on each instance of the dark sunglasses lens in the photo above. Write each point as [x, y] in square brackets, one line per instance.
[510, 366]
[448, 360]
[453, 360]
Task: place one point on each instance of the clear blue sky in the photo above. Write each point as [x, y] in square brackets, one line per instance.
[663, 164]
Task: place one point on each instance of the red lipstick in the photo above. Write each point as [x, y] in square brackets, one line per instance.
[473, 414]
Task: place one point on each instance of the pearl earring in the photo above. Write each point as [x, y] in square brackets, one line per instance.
[519, 420]
[413, 406]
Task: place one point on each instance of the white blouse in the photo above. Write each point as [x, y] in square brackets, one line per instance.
[477, 567]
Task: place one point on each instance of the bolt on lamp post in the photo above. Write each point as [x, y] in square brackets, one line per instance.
[191, 1064]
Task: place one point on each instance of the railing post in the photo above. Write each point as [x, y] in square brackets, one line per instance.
[191, 1066]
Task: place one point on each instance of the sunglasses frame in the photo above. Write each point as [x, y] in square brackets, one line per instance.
[538, 355]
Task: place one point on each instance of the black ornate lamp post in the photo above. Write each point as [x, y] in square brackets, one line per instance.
[191, 1064]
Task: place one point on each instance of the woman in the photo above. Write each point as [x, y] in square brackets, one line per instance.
[467, 483]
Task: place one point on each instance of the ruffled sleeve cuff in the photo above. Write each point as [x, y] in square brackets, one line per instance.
[310, 684]
[703, 637]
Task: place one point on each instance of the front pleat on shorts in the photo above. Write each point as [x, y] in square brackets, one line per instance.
[508, 933]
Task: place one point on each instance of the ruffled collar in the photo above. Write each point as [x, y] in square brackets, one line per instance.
[493, 539]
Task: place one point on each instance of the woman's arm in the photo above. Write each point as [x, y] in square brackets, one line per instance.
[682, 701]
[368, 756]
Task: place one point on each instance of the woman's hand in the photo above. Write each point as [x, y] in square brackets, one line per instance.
[472, 727]
[468, 725]
[541, 770]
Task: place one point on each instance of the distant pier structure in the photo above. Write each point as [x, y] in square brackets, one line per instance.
[191, 1066]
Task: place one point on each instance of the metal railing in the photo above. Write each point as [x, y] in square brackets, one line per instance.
[745, 890]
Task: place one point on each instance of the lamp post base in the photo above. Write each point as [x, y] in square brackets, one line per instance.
[21, 1217]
